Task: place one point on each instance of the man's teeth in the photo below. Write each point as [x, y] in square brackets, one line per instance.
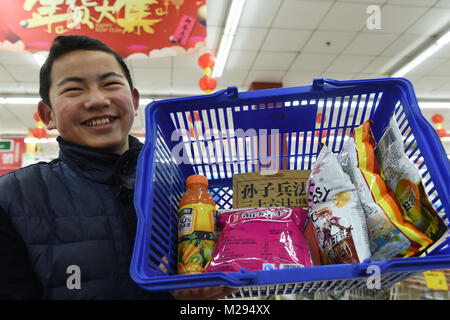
[98, 122]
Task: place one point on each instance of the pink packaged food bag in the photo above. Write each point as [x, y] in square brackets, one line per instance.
[260, 239]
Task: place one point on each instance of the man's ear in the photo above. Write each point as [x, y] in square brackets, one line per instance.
[135, 96]
[46, 115]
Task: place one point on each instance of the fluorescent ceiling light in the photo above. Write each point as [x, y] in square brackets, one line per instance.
[222, 56]
[228, 34]
[443, 40]
[425, 54]
[233, 16]
[20, 100]
[434, 105]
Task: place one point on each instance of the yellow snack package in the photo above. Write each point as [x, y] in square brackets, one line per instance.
[403, 177]
[390, 235]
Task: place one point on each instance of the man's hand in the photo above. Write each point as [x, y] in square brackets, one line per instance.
[206, 293]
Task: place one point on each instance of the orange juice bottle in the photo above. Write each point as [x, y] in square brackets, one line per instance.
[196, 237]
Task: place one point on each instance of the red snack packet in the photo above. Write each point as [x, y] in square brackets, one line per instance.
[261, 239]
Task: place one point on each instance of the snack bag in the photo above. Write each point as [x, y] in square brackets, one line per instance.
[389, 234]
[403, 177]
[336, 212]
[260, 239]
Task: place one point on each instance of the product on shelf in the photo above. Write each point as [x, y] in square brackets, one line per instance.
[389, 234]
[260, 239]
[336, 212]
[403, 177]
[196, 237]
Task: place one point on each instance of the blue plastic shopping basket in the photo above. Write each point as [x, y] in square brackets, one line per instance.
[230, 132]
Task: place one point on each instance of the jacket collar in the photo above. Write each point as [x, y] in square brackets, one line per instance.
[102, 166]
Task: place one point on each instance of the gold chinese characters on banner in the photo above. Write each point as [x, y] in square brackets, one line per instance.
[151, 27]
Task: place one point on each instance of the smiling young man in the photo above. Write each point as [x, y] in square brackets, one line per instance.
[95, 102]
[67, 227]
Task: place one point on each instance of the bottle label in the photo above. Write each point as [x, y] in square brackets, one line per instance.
[185, 221]
[195, 217]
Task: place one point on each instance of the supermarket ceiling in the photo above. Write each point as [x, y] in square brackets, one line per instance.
[287, 41]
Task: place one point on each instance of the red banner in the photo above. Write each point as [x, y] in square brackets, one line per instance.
[11, 152]
[153, 27]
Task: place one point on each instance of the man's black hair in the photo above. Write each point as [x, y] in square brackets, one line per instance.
[65, 44]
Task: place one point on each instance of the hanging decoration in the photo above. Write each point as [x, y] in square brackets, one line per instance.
[438, 119]
[39, 132]
[207, 84]
[207, 61]
[151, 28]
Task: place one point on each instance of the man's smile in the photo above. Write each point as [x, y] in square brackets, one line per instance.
[100, 121]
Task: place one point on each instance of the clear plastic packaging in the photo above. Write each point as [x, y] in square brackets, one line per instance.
[389, 234]
[403, 177]
[336, 213]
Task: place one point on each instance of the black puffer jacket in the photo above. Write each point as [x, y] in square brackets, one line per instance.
[76, 210]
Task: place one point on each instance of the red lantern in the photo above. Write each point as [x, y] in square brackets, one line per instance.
[36, 117]
[437, 118]
[206, 60]
[207, 83]
[442, 132]
[39, 133]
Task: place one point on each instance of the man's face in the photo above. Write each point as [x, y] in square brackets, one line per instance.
[92, 104]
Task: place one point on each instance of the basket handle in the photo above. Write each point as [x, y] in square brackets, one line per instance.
[244, 277]
[319, 83]
[410, 264]
[232, 279]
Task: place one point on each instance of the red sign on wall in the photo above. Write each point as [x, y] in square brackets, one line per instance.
[151, 27]
[11, 152]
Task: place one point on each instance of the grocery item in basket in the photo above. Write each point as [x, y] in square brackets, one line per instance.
[285, 188]
[403, 177]
[313, 246]
[336, 212]
[261, 239]
[389, 234]
[196, 237]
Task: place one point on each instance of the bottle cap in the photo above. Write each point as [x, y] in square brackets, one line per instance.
[196, 178]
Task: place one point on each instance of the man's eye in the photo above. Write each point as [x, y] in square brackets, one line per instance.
[72, 89]
[112, 83]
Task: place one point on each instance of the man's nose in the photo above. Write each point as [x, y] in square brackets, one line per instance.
[96, 99]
